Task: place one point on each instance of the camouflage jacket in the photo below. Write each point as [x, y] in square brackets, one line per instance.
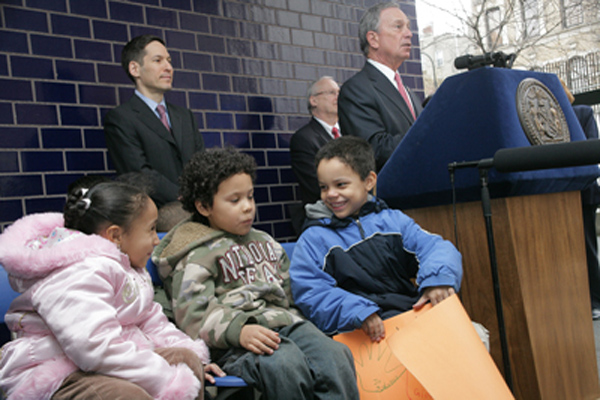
[218, 282]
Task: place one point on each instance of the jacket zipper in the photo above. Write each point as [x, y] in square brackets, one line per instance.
[360, 228]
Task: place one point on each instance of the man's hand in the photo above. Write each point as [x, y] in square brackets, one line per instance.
[259, 340]
[373, 327]
[434, 295]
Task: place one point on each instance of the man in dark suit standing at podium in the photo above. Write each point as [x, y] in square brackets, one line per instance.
[322, 102]
[146, 134]
[374, 104]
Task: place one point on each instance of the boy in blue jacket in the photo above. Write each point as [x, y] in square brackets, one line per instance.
[356, 262]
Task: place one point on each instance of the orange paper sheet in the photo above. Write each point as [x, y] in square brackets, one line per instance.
[431, 354]
[379, 373]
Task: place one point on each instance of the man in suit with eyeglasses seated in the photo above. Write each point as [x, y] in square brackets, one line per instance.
[323, 126]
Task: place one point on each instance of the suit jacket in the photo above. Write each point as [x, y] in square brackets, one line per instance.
[304, 145]
[585, 116]
[370, 106]
[137, 141]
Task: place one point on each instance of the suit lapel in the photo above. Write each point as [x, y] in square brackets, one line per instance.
[388, 90]
[176, 124]
[318, 128]
[147, 117]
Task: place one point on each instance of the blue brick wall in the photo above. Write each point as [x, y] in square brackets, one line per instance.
[242, 66]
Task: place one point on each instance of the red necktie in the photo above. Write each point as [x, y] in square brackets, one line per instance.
[404, 94]
[335, 132]
[163, 116]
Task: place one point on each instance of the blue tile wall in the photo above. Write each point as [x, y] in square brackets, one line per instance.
[3, 65]
[51, 46]
[15, 90]
[91, 8]
[24, 19]
[14, 42]
[94, 139]
[13, 137]
[59, 138]
[40, 161]
[45, 205]
[9, 161]
[51, 5]
[70, 26]
[31, 67]
[36, 114]
[10, 210]
[242, 67]
[57, 184]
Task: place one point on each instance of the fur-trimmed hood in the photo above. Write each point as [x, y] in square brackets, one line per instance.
[22, 261]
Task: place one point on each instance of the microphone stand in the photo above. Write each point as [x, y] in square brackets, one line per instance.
[483, 166]
[487, 215]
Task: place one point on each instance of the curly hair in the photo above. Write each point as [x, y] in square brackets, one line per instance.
[205, 171]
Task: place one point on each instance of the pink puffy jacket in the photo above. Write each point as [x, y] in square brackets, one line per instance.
[83, 307]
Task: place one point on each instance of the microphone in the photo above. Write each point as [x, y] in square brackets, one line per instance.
[498, 59]
[556, 155]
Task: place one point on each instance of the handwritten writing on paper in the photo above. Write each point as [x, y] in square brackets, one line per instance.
[380, 375]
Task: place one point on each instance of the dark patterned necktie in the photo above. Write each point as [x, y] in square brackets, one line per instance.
[163, 116]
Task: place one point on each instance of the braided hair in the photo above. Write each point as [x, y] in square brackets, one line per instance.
[104, 204]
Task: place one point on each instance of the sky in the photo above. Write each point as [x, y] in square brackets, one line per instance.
[442, 21]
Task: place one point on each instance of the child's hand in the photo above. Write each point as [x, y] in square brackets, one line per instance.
[259, 340]
[373, 327]
[434, 295]
[211, 370]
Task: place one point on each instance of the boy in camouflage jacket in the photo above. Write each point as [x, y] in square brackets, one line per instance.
[229, 284]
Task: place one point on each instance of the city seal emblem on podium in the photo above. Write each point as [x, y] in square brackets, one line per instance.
[540, 114]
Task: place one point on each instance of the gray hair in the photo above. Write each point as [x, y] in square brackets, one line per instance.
[370, 22]
[312, 90]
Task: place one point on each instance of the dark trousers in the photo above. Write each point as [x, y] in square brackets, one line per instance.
[307, 365]
[591, 252]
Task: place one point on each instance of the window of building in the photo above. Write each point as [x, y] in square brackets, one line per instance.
[572, 12]
[578, 74]
[439, 58]
[530, 16]
[492, 22]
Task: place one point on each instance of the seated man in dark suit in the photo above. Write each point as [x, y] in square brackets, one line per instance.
[146, 134]
[323, 126]
[374, 104]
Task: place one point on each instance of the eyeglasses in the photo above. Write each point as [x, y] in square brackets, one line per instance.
[328, 92]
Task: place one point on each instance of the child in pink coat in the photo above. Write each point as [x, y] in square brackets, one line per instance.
[85, 321]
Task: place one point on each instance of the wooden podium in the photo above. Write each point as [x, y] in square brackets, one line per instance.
[537, 226]
[543, 281]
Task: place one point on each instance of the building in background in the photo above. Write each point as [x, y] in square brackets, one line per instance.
[556, 36]
[437, 56]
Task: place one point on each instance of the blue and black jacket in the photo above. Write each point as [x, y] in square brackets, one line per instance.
[342, 271]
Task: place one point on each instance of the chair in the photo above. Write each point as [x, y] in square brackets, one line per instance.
[289, 248]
